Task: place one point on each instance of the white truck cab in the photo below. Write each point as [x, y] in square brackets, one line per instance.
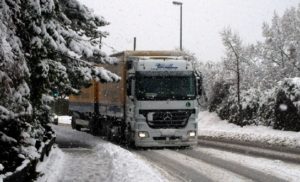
[162, 101]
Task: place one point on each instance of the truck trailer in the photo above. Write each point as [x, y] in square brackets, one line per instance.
[154, 105]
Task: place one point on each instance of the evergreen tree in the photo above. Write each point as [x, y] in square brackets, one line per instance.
[46, 45]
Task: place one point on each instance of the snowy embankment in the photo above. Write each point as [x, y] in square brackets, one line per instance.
[92, 159]
[210, 125]
[127, 166]
[52, 166]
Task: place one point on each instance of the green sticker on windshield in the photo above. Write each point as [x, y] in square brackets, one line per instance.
[188, 104]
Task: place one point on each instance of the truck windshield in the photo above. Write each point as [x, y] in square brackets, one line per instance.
[165, 87]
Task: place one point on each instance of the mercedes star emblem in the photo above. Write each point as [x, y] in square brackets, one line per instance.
[167, 116]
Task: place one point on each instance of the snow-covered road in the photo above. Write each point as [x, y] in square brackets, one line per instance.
[210, 164]
[83, 157]
[186, 168]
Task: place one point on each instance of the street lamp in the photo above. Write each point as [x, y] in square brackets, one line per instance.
[180, 4]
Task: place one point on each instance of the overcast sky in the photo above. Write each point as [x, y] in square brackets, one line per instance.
[155, 23]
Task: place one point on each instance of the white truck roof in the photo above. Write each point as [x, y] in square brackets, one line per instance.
[164, 65]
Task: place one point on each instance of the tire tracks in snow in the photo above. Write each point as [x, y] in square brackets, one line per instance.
[173, 168]
[233, 166]
[213, 164]
[187, 168]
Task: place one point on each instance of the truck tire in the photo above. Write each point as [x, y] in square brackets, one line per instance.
[73, 123]
[94, 126]
[108, 134]
[128, 137]
[113, 134]
[78, 128]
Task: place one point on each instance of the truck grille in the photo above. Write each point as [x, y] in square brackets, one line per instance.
[167, 119]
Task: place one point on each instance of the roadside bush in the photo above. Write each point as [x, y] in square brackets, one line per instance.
[278, 107]
[220, 91]
[249, 106]
[266, 112]
[287, 107]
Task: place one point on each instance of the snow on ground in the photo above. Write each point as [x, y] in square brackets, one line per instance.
[51, 167]
[127, 166]
[285, 171]
[64, 119]
[90, 158]
[209, 124]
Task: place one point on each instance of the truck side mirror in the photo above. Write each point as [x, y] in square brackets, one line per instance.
[199, 86]
[129, 85]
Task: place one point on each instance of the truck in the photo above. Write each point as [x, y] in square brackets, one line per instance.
[155, 103]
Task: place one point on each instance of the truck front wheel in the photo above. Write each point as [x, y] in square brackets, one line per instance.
[108, 133]
[128, 137]
[94, 126]
[78, 127]
[73, 123]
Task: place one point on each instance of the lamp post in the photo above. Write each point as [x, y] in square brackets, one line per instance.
[180, 4]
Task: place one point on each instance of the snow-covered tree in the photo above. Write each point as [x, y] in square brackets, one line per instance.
[15, 106]
[266, 76]
[234, 56]
[61, 36]
[45, 45]
[213, 81]
[281, 48]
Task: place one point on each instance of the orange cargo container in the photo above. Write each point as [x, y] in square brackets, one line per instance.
[111, 97]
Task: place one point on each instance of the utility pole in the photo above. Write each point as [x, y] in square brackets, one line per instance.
[180, 4]
[134, 43]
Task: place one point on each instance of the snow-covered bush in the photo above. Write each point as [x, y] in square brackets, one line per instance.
[266, 110]
[219, 91]
[229, 108]
[287, 106]
[249, 106]
[278, 107]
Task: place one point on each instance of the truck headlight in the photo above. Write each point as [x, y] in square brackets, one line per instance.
[143, 134]
[192, 134]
